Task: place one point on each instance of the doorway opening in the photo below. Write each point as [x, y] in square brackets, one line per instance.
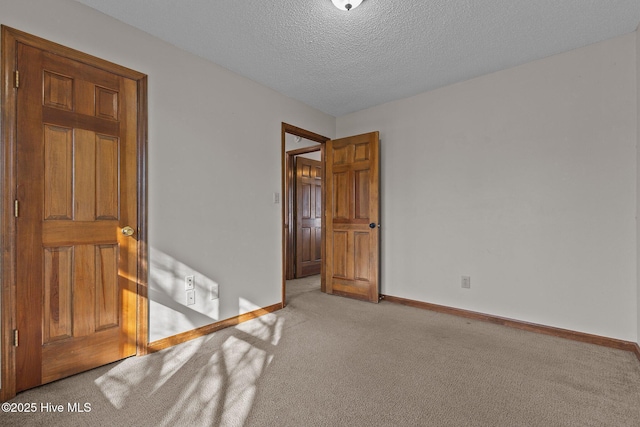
[302, 208]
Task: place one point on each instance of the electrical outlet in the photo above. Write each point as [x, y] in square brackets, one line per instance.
[466, 282]
[189, 282]
[191, 297]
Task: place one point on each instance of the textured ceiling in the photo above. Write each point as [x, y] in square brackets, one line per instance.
[340, 62]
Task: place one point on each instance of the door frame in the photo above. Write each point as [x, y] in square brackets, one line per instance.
[287, 191]
[8, 146]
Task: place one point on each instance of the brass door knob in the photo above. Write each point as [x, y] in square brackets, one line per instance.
[127, 231]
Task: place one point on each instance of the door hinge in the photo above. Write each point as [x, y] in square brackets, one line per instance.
[16, 81]
[15, 208]
[15, 337]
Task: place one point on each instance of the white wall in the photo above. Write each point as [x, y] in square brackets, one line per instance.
[525, 180]
[214, 164]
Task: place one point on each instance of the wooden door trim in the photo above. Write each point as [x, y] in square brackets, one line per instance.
[10, 39]
[304, 150]
[287, 189]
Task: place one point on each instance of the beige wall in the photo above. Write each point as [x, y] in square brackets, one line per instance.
[214, 164]
[525, 180]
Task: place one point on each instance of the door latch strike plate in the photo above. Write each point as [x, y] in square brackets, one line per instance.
[17, 79]
[15, 208]
[15, 337]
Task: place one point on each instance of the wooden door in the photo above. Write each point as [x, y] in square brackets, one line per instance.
[76, 169]
[308, 217]
[352, 216]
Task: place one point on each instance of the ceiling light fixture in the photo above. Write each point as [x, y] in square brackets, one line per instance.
[346, 4]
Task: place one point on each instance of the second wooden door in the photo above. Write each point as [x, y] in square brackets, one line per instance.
[308, 217]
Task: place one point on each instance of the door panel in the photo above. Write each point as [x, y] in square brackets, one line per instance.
[77, 188]
[308, 217]
[58, 274]
[352, 192]
[58, 154]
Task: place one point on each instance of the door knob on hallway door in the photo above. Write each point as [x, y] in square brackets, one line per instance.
[127, 231]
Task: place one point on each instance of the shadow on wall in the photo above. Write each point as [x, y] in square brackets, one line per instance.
[169, 313]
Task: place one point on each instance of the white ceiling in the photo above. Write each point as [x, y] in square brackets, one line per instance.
[340, 62]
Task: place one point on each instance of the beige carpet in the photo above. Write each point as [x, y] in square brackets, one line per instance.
[331, 361]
